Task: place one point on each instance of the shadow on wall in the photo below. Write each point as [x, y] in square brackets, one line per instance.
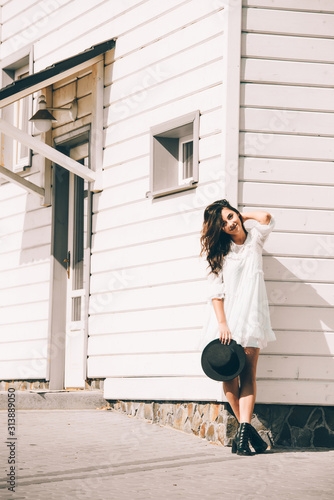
[36, 230]
[301, 311]
[303, 320]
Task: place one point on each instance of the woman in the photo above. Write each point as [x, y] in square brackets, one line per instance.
[239, 301]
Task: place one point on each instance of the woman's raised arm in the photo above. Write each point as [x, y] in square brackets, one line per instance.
[260, 216]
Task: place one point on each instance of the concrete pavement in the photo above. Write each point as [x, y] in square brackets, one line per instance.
[101, 454]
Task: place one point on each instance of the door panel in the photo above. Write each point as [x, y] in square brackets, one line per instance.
[76, 335]
[70, 267]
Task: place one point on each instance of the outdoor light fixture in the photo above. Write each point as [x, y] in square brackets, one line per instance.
[43, 119]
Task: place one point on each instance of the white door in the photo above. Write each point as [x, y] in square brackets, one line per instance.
[77, 275]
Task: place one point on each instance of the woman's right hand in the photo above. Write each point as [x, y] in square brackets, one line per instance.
[225, 335]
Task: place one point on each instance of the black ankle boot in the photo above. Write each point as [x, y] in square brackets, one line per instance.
[235, 441]
[243, 444]
[256, 441]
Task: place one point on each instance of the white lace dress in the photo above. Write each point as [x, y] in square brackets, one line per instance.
[241, 284]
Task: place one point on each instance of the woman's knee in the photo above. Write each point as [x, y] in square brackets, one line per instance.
[248, 377]
[252, 356]
[249, 371]
[231, 385]
[252, 352]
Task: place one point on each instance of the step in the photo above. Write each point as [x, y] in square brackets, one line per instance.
[54, 399]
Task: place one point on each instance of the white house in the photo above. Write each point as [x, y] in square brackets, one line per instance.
[175, 105]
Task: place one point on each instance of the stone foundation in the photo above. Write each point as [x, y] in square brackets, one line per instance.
[24, 385]
[94, 384]
[279, 425]
[30, 385]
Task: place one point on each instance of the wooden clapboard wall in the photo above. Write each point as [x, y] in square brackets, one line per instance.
[148, 283]
[25, 251]
[286, 166]
[25, 234]
[25, 226]
[78, 86]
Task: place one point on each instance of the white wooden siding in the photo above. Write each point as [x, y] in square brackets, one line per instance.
[148, 283]
[173, 388]
[286, 167]
[148, 286]
[24, 283]
[191, 388]
[290, 48]
[287, 97]
[159, 71]
[306, 5]
[188, 364]
[127, 16]
[25, 225]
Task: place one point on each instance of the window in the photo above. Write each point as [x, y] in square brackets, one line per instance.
[174, 156]
[186, 163]
[16, 156]
[22, 111]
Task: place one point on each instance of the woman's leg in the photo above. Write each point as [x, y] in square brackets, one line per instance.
[231, 390]
[247, 392]
[242, 399]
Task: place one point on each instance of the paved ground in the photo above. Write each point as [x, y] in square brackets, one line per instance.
[100, 454]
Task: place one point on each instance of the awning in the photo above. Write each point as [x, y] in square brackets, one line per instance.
[48, 76]
[33, 83]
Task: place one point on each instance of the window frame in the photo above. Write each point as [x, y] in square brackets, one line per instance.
[22, 122]
[12, 68]
[177, 129]
[182, 141]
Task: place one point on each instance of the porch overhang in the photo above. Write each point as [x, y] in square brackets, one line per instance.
[33, 83]
[37, 81]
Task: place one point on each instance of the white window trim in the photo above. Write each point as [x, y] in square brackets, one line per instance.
[182, 141]
[167, 127]
[16, 64]
[19, 162]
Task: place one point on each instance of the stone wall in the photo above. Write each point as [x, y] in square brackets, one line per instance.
[94, 384]
[279, 425]
[24, 385]
[30, 385]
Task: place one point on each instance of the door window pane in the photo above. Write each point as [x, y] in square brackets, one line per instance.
[76, 308]
[78, 246]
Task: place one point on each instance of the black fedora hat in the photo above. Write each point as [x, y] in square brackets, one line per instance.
[223, 361]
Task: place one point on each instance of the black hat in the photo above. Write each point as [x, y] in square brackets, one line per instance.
[223, 361]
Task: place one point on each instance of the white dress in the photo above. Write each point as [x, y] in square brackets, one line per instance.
[241, 284]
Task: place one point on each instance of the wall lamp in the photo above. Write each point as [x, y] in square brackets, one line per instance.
[43, 119]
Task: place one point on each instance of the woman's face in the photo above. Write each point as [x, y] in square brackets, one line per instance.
[231, 223]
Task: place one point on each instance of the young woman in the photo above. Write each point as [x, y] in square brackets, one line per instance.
[238, 302]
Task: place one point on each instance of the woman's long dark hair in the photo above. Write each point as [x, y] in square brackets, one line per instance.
[215, 243]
